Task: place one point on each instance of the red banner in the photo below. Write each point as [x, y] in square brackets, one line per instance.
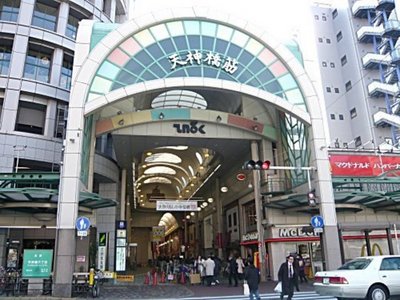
[363, 165]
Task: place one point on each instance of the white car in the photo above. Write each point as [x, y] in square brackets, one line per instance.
[369, 277]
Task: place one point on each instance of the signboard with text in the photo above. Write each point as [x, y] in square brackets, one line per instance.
[37, 263]
[176, 205]
[363, 165]
[158, 233]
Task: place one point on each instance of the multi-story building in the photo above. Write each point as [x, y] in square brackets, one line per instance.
[37, 46]
[169, 105]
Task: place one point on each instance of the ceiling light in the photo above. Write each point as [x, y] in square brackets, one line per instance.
[206, 155]
[149, 153]
[188, 217]
[161, 116]
[192, 184]
[219, 119]
[192, 213]
[194, 177]
[255, 127]
[205, 204]
[141, 196]
[201, 167]
[210, 200]
[139, 190]
[199, 209]
[187, 191]
[224, 189]
[144, 166]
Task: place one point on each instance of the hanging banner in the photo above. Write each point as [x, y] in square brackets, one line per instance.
[363, 165]
[158, 233]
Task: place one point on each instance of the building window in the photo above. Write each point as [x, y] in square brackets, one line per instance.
[334, 13]
[337, 90]
[66, 72]
[324, 64]
[333, 117]
[38, 62]
[357, 141]
[5, 55]
[339, 36]
[45, 16]
[353, 113]
[328, 89]
[1, 103]
[332, 65]
[72, 27]
[348, 85]
[316, 17]
[343, 60]
[341, 117]
[320, 40]
[250, 215]
[323, 18]
[61, 120]
[328, 41]
[9, 10]
[31, 117]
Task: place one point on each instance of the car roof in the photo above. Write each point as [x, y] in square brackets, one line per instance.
[378, 256]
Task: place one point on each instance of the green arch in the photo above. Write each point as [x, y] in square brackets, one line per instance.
[146, 55]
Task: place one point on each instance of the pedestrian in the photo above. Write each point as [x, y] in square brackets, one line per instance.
[233, 270]
[240, 266]
[286, 275]
[296, 273]
[200, 263]
[209, 265]
[217, 268]
[252, 277]
[302, 274]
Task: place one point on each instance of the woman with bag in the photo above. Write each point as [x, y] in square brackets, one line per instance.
[252, 279]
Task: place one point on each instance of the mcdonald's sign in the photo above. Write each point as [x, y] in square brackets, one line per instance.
[375, 247]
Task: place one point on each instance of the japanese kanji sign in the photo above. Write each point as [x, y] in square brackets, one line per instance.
[363, 165]
[177, 205]
[158, 233]
[37, 263]
[226, 63]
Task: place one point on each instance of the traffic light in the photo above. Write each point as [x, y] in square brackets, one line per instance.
[257, 165]
[312, 199]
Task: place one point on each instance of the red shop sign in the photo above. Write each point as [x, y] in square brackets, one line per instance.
[363, 165]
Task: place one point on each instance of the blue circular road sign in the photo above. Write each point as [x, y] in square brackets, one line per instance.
[317, 222]
[82, 224]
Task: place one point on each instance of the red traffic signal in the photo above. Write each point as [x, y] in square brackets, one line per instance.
[257, 165]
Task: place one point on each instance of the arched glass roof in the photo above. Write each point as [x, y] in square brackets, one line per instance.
[195, 48]
[163, 157]
[179, 98]
[160, 170]
[157, 180]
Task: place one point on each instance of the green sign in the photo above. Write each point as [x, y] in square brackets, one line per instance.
[102, 239]
[37, 263]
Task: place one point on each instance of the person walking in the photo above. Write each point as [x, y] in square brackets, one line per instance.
[296, 267]
[233, 270]
[302, 274]
[252, 277]
[240, 267]
[209, 265]
[287, 275]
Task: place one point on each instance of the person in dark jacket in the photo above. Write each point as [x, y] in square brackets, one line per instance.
[233, 273]
[287, 275]
[252, 276]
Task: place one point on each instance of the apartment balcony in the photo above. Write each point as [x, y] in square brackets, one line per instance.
[391, 29]
[361, 8]
[395, 55]
[391, 75]
[366, 34]
[383, 119]
[385, 5]
[374, 60]
[380, 89]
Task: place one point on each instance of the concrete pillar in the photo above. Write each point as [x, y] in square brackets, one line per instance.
[218, 203]
[26, 12]
[20, 49]
[62, 19]
[123, 194]
[65, 262]
[56, 66]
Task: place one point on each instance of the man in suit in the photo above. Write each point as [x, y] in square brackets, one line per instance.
[287, 275]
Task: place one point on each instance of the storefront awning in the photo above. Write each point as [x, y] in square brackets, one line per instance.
[38, 192]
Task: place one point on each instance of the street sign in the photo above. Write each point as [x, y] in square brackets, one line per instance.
[317, 222]
[37, 263]
[82, 224]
